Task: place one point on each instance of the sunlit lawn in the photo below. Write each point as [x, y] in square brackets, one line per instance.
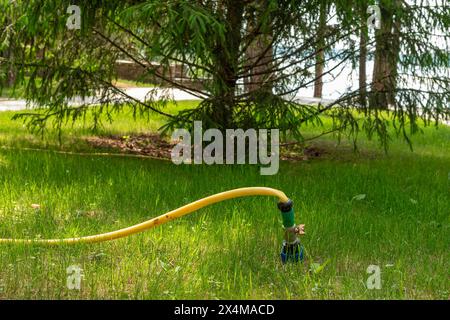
[229, 250]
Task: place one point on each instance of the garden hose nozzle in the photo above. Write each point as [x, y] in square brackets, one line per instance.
[291, 250]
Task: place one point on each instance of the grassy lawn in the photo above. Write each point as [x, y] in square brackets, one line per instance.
[12, 93]
[19, 91]
[229, 250]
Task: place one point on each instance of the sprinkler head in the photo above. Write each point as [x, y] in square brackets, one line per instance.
[291, 249]
[293, 252]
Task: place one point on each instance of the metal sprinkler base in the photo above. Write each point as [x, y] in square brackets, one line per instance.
[292, 252]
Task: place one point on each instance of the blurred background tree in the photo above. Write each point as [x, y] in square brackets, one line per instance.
[252, 58]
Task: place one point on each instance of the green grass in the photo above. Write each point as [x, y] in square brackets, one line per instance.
[18, 92]
[229, 250]
[15, 133]
[12, 93]
[137, 84]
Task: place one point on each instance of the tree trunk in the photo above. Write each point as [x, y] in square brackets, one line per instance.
[363, 61]
[320, 55]
[8, 54]
[387, 51]
[259, 54]
[227, 61]
[11, 75]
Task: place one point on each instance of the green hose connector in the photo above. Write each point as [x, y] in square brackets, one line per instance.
[288, 218]
[287, 213]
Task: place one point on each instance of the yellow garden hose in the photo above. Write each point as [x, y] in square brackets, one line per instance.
[171, 215]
